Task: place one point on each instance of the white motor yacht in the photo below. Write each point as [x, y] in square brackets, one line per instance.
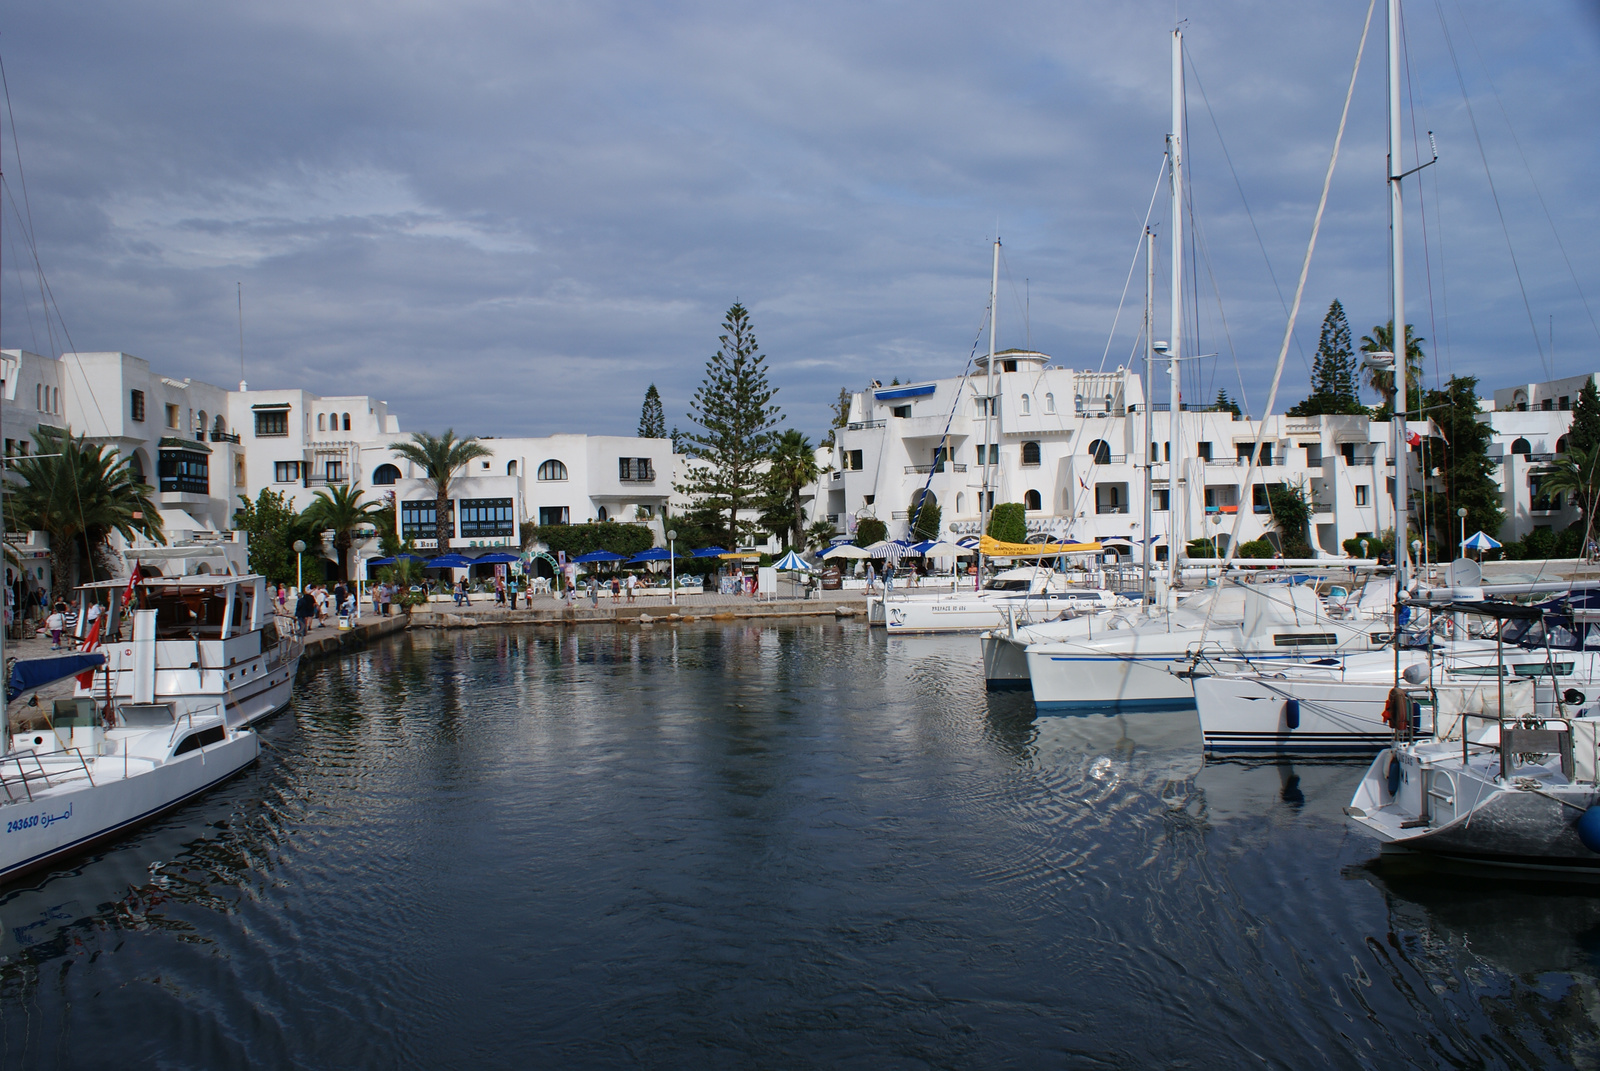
[214, 643]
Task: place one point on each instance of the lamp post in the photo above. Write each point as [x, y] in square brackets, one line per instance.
[299, 572]
[1462, 513]
[672, 566]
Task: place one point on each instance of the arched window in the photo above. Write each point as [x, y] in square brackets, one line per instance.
[511, 468]
[347, 422]
[1561, 445]
[385, 474]
[321, 423]
[136, 465]
[1030, 453]
[1030, 500]
[1049, 403]
[55, 406]
[38, 397]
[1101, 451]
[552, 470]
[220, 427]
[1027, 405]
[200, 423]
[603, 514]
[961, 501]
[1521, 446]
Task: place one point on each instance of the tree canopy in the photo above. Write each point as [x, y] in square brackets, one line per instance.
[1333, 372]
[340, 509]
[732, 420]
[273, 526]
[1465, 470]
[793, 467]
[652, 419]
[79, 492]
[1008, 522]
[440, 457]
[1585, 430]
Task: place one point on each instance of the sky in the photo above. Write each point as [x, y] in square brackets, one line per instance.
[511, 218]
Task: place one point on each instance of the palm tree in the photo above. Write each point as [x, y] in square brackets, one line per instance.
[793, 468]
[79, 493]
[439, 457]
[342, 512]
[1577, 472]
[1382, 341]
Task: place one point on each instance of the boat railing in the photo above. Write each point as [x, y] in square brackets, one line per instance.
[24, 777]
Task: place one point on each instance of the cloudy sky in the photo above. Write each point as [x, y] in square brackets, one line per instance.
[511, 217]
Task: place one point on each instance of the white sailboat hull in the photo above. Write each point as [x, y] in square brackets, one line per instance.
[1255, 714]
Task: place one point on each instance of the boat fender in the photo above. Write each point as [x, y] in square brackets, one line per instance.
[1394, 708]
[1589, 828]
[1574, 697]
[1393, 777]
[1291, 713]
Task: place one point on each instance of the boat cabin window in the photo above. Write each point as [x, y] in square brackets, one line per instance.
[187, 614]
[243, 601]
[195, 741]
[1306, 639]
[1006, 585]
[1543, 669]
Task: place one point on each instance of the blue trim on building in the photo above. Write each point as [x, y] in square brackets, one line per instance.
[894, 393]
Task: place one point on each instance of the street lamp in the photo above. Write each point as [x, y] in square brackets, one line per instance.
[672, 566]
[1462, 513]
[299, 572]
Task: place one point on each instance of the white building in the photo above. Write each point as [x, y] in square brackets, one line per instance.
[1069, 446]
[1529, 428]
[299, 443]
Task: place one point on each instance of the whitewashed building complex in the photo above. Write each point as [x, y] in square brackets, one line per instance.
[1071, 447]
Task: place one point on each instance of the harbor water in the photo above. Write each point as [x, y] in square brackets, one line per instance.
[768, 845]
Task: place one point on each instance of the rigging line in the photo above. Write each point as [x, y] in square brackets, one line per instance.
[1465, 25]
[16, 262]
[1294, 311]
[1138, 249]
[1422, 205]
[50, 334]
[1199, 240]
[1238, 185]
[1495, 194]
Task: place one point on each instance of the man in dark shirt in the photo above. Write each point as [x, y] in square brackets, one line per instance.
[305, 608]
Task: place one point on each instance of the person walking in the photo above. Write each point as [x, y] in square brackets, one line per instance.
[633, 582]
[465, 592]
[305, 608]
[499, 591]
[283, 600]
[55, 623]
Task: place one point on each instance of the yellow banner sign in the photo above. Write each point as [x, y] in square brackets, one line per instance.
[993, 548]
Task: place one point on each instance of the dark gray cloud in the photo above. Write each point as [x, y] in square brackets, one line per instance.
[510, 218]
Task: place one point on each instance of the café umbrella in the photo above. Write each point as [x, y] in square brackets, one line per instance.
[791, 563]
[847, 550]
[598, 556]
[1480, 541]
[654, 554]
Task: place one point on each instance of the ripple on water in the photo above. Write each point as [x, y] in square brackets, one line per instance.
[745, 844]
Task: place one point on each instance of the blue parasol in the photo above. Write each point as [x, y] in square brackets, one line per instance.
[1480, 541]
[598, 556]
[791, 562]
[448, 561]
[708, 552]
[654, 554]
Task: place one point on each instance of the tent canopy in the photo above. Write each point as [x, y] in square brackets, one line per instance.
[846, 550]
[498, 557]
[448, 561]
[790, 563]
[598, 556]
[708, 552]
[1480, 541]
[654, 554]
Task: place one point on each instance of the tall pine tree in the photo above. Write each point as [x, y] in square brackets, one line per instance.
[1585, 431]
[1333, 373]
[732, 420]
[652, 420]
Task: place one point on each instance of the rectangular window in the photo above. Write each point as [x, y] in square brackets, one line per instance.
[1203, 451]
[1162, 497]
[852, 460]
[485, 518]
[419, 520]
[334, 471]
[136, 404]
[1243, 451]
[1564, 403]
[1361, 494]
[552, 515]
[1313, 455]
[901, 411]
[994, 454]
[172, 416]
[272, 423]
[635, 469]
[186, 473]
[286, 472]
[1258, 498]
[1349, 452]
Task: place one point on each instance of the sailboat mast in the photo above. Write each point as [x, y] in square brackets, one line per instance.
[1149, 360]
[987, 492]
[1397, 308]
[1175, 338]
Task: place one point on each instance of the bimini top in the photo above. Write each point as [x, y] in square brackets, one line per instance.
[188, 580]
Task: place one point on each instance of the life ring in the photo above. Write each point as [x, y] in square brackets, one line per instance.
[1394, 708]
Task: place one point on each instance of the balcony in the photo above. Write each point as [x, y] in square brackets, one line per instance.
[648, 477]
[225, 437]
[1359, 462]
[923, 470]
[866, 425]
[325, 480]
[1106, 507]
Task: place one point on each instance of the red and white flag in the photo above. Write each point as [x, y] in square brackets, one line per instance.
[91, 641]
[1413, 439]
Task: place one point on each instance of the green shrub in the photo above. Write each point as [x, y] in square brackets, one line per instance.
[1008, 523]
[1255, 548]
[576, 539]
[870, 530]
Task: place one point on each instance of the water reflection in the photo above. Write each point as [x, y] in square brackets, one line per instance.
[749, 844]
